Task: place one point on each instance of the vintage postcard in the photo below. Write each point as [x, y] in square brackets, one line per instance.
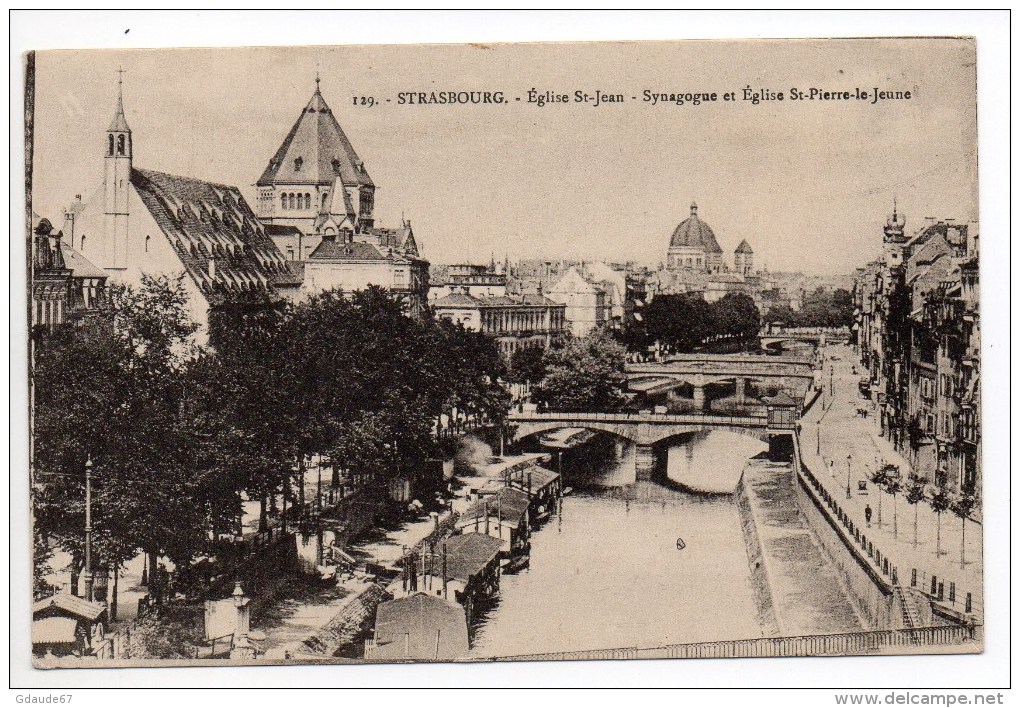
[453, 353]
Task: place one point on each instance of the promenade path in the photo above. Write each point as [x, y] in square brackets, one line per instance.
[843, 432]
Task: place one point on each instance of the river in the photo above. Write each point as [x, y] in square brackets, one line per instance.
[606, 572]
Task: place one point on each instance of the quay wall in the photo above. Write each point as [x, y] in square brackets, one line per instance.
[872, 595]
[347, 624]
[758, 562]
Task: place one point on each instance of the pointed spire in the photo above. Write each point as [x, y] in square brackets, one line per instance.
[119, 122]
[325, 151]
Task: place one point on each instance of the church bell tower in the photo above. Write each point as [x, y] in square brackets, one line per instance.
[894, 237]
[116, 185]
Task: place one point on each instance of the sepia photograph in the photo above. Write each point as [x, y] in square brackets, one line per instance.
[503, 352]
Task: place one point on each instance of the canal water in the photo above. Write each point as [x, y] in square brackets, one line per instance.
[605, 570]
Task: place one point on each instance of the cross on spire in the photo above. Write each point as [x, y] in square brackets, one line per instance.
[316, 82]
[119, 123]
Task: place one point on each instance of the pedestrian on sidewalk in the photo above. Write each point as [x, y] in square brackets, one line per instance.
[867, 514]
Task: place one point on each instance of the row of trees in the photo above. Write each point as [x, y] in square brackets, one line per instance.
[916, 489]
[820, 308]
[683, 322]
[177, 434]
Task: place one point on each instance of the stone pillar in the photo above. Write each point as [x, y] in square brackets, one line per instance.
[644, 462]
[741, 389]
[699, 396]
[241, 648]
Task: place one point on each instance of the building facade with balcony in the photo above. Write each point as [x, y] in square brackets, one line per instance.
[918, 333]
[514, 322]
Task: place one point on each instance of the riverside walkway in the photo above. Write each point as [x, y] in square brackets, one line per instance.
[833, 432]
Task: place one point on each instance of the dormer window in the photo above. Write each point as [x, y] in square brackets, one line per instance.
[336, 165]
[297, 163]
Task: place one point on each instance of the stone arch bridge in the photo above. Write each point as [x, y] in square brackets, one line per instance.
[646, 430]
[793, 375]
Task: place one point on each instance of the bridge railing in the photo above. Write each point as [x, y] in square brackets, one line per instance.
[847, 643]
[583, 655]
[628, 417]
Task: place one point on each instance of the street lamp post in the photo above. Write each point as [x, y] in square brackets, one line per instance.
[318, 486]
[818, 437]
[848, 476]
[89, 578]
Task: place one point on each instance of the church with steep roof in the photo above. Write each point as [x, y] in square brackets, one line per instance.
[148, 223]
[316, 200]
[313, 229]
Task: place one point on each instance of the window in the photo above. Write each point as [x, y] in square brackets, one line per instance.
[290, 253]
[110, 150]
[291, 203]
[325, 197]
[297, 163]
[308, 201]
[83, 242]
[147, 243]
[283, 201]
[120, 145]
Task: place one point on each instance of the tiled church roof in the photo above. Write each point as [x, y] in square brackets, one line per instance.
[316, 151]
[204, 222]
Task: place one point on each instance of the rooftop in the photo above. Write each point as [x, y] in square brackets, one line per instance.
[694, 233]
[468, 555]
[316, 151]
[206, 221]
[77, 606]
[421, 627]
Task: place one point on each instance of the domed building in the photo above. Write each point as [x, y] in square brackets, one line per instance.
[694, 246]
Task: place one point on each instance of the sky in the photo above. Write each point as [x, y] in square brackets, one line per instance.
[808, 183]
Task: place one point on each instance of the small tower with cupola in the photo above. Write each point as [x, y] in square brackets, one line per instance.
[894, 238]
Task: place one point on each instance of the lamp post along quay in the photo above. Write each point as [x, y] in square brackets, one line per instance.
[848, 457]
[89, 578]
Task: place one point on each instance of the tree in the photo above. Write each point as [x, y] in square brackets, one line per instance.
[915, 494]
[112, 394]
[678, 321]
[939, 503]
[735, 315]
[783, 315]
[893, 486]
[878, 478]
[527, 365]
[584, 374]
[963, 504]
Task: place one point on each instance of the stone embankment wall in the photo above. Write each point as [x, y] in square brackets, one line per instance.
[347, 623]
[761, 584]
[872, 595]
